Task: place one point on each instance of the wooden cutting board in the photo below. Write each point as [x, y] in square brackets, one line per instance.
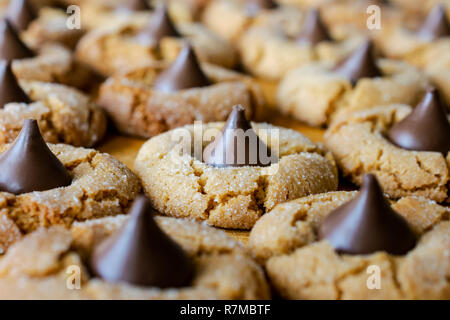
[125, 148]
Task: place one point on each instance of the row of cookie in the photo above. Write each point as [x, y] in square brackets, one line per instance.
[175, 78]
[138, 38]
[134, 256]
[264, 51]
[341, 88]
[66, 115]
[52, 200]
[174, 74]
[46, 74]
[399, 34]
[326, 245]
[161, 168]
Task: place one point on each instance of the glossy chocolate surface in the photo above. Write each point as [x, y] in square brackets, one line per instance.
[29, 165]
[426, 128]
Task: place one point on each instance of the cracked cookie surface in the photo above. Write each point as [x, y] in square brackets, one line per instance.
[139, 110]
[359, 146]
[64, 114]
[101, 186]
[122, 49]
[299, 267]
[53, 63]
[222, 269]
[315, 94]
[181, 185]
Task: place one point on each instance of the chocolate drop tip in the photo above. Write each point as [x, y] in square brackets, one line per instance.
[426, 128]
[224, 150]
[184, 73]
[367, 224]
[29, 165]
[10, 89]
[313, 30]
[141, 253]
[11, 45]
[436, 24]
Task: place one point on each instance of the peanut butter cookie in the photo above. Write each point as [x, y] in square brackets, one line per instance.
[232, 195]
[270, 53]
[64, 114]
[137, 44]
[98, 186]
[50, 63]
[360, 143]
[230, 19]
[222, 269]
[427, 48]
[49, 27]
[139, 106]
[316, 93]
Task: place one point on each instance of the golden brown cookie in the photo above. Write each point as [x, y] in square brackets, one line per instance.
[124, 48]
[315, 94]
[434, 60]
[101, 186]
[64, 114]
[138, 109]
[359, 145]
[222, 269]
[181, 185]
[230, 19]
[299, 267]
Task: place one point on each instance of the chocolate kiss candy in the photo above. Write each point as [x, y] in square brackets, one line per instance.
[20, 14]
[360, 64]
[314, 31]
[184, 73]
[10, 90]
[11, 47]
[367, 224]
[436, 25]
[28, 165]
[161, 26]
[262, 4]
[238, 145]
[141, 253]
[426, 128]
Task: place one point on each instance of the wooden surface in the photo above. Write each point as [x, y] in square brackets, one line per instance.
[125, 148]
